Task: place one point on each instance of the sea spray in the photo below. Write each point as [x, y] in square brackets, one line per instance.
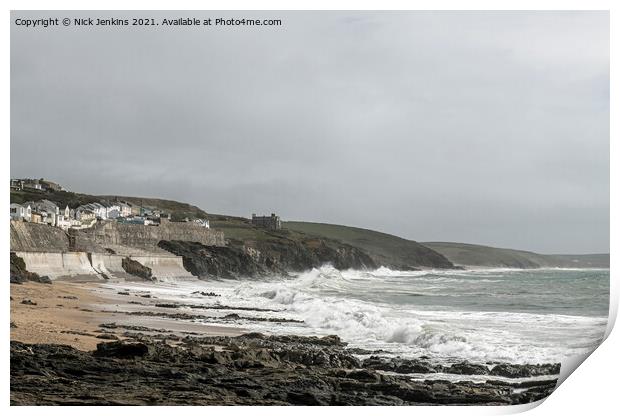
[519, 316]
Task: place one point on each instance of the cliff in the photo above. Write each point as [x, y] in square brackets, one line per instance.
[278, 255]
[385, 249]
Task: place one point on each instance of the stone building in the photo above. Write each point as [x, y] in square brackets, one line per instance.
[271, 222]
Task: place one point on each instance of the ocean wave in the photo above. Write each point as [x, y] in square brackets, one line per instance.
[405, 312]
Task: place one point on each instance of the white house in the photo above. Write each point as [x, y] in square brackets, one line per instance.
[47, 209]
[96, 208]
[20, 212]
[113, 210]
[45, 205]
[27, 212]
[83, 218]
[48, 217]
[64, 222]
[125, 209]
[202, 223]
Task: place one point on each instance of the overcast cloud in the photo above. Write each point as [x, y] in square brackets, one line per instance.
[478, 127]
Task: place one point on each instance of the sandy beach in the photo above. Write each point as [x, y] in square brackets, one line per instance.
[71, 313]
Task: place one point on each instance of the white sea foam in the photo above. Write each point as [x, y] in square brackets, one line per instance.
[432, 313]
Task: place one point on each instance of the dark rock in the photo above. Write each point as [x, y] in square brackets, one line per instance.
[399, 365]
[16, 279]
[364, 375]
[19, 274]
[252, 369]
[123, 293]
[41, 279]
[13, 324]
[137, 269]
[120, 349]
[278, 254]
[467, 368]
[28, 302]
[204, 293]
[107, 336]
[524, 370]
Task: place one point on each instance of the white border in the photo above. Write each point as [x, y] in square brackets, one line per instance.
[591, 389]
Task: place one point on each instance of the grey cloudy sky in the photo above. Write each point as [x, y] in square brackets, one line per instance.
[481, 127]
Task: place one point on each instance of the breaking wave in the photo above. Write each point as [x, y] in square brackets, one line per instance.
[359, 306]
[447, 315]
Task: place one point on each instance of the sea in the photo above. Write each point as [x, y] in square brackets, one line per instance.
[481, 316]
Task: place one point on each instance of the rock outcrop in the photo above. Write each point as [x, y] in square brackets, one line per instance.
[259, 258]
[251, 369]
[19, 274]
[134, 268]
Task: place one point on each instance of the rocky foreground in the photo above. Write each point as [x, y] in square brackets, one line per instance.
[251, 369]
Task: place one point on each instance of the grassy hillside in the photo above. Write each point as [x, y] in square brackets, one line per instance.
[581, 260]
[483, 256]
[178, 210]
[383, 248]
[61, 198]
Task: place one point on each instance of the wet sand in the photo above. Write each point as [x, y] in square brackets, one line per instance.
[70, 313]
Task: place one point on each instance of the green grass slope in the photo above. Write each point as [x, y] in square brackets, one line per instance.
[474, 255]
[386, 249]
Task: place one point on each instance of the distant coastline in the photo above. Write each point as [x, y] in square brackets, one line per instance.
[146, 230]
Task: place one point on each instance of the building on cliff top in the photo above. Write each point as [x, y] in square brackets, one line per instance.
[35, 184]
[271, 222]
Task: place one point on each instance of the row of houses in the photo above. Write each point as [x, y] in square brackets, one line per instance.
[47, 212]
[84, 216]
[106, 210]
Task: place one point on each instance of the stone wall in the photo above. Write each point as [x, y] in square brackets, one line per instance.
[26, 236]
[111, 234]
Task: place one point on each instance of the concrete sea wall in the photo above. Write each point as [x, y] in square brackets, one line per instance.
[87, 266]
[164, 268]
[98, 252]
[59, 265]
[108, 265]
